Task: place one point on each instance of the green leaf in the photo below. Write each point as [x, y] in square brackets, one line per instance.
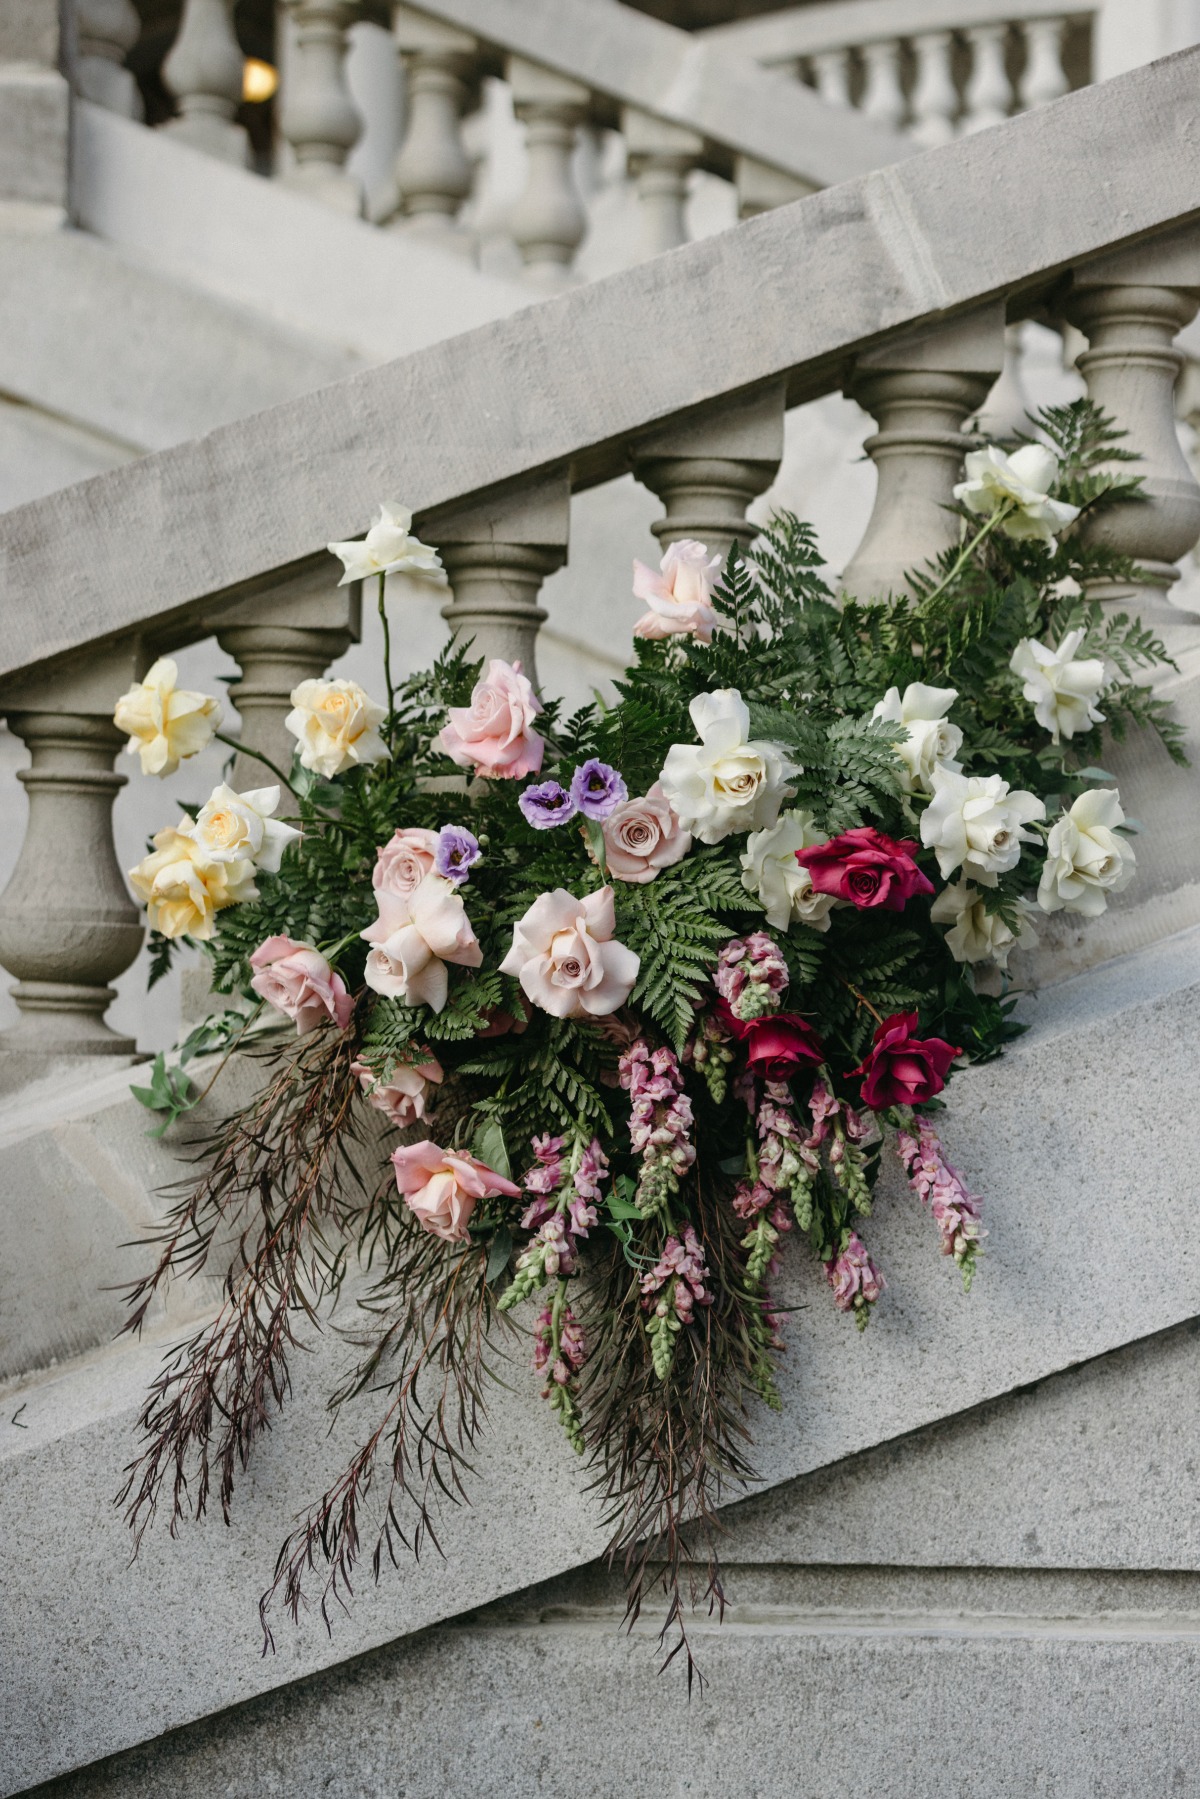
[498, 1254]
[490, 1147]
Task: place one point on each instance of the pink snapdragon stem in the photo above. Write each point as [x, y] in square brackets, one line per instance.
[938, 1184]
[660, 1122]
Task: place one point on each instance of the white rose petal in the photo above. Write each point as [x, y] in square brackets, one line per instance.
[1062, 691]
[1085, 858]
[977, 935]
[932, 740]
[1021, 481]
[231, 825]
[770, 870]
[728, 783]
[387, 548]
[974, 823]
[336, 726]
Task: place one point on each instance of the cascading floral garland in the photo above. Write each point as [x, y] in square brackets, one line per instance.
[644, 991]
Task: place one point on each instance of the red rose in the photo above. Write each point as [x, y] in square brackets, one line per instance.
[866, 868]
[903, 1070]
[775, 1043]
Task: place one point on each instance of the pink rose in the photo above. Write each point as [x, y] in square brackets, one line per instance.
[565, 958]
[296, 979]
[441, 1186]
[492, 735]
[903, 1069]
[866, 868]
[402, 1096]
[414, 937]
[678, 598]
[642, 836]
[402, 863]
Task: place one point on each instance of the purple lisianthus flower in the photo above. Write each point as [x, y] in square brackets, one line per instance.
[597, 789]
[547, 804]
[456, 854]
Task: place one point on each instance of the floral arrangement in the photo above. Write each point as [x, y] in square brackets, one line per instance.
[593, 1013]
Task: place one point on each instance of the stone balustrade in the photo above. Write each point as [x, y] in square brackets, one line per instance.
[697, 417]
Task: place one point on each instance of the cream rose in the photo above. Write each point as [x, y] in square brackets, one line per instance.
[643, 836]
[1085, 858]
[402, 863]
[336, 726]
[298, 981]
[414, 937]
[771, 872]
[1062, 691]
[565, 958]
[388, 548]
[402, 1096]
[232, 826]
[679, 596]
[166, 723]
[932, 741]
[974, 823]
[976, 935]
[728, 783]
[183, 888]
[443, 1186]
[1021, 484]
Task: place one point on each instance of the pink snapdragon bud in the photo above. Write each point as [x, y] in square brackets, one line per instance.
[938, 1184]
[855, 1280]
[751, 974]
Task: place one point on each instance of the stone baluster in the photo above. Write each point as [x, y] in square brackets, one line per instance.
[935, 97]
[1044, 79]
[989, 92]
[317, 116]
[920, 389]
[279, 638]
[761, 188]
[883, 92]
[661, 157]
[105, 33]
[433, 170]
[497, 555]
[1006, 410]
[67, 940]
[706, 474]
[204, 72]
[831, 76]
[548, 222]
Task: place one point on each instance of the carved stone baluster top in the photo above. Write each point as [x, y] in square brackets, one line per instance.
[883, 94]
[105, 33]
[708, 472]
[989, 92]
[661, 157]
[935, 97]
[831, 76]
[204, 72]
[318, 117]
[433, 170]
[548, 222]
[1045, 79]
[497, 554]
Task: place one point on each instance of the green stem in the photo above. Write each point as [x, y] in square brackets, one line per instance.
[243, 749]
[387, 652]
[967, 551]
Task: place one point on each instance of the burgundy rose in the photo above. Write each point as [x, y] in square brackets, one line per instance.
[866, 868]
[903, 1069]
[775, 1044]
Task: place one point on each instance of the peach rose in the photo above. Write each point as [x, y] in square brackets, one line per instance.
[402, 1096]
[402, 863]
[442, 1186]
[183, 888]
[679, 596]
[642, 836]
[492, 735]
[414, 937]
[296, 979]
[565, 958]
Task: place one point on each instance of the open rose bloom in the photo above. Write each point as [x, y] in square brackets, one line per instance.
[680, 594]
[296, 979]
[494, 735]
[643, 836]
[413, 939]
[565, 958]
[443, 1186]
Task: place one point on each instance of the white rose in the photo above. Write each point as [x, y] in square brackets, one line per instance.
[728, 783]
[1062, 692]
[1021, 482]
[974, 823]
[183, 887]
[166, 723]
[230, 825]
[1085, 859]
[336, 726]
[976, 935]
[770, 870]
[932, 740]
[388, 547]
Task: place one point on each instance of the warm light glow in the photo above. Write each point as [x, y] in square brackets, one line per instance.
[259, 79]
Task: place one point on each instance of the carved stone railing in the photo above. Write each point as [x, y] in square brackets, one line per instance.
[898, 289]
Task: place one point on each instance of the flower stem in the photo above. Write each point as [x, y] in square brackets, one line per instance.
[966, 552]
[862, 1000]
[387, 652]
[243, 749]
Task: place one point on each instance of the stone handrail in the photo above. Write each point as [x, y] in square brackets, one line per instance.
[895, 287]
[781, 37]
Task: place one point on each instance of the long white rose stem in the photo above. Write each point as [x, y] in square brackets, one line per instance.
[968, 550]
[387, 653]
[243, 749]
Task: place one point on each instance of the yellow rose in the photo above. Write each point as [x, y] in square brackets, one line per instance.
[336, 726]
[165, 723]
[183, 888]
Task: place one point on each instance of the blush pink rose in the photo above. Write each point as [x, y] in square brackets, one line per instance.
[402, 1096]
[414, 937]
[443, 1186]
[296, 979]
[493, 735]
[402, 863]
[565, 958]
[642, 836]
[679, 596]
